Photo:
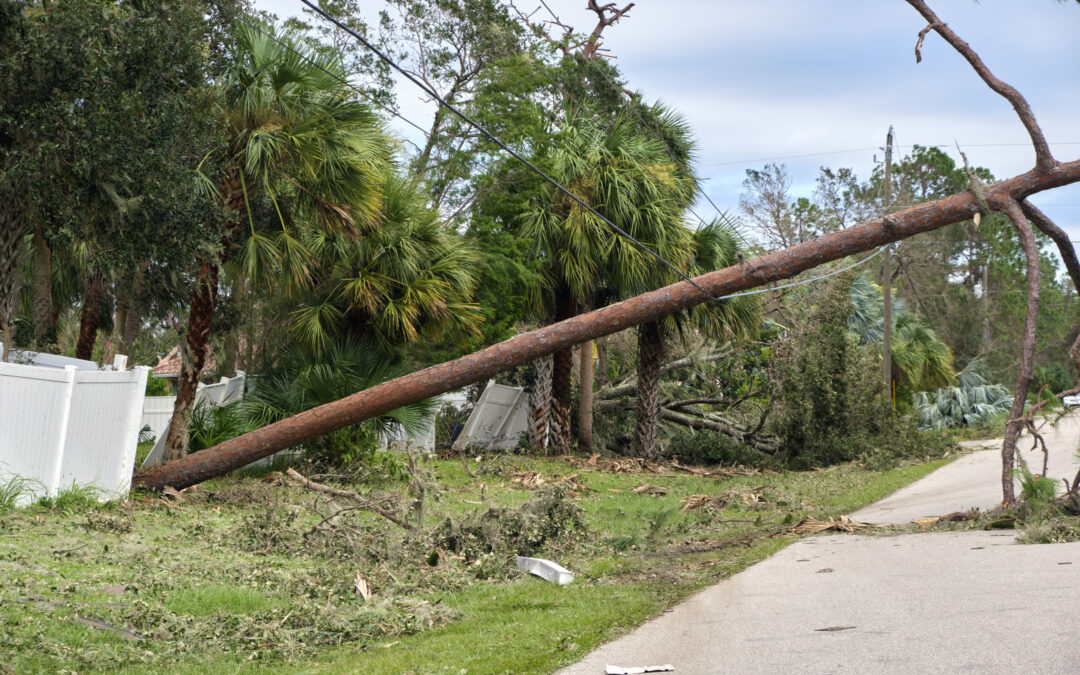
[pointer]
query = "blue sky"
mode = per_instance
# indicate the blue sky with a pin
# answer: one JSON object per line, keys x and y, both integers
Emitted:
{"x": 812, "y": 83}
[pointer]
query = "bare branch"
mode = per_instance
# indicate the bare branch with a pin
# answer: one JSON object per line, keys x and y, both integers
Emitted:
{"x": 361, "y": 502}
{"x": 1060, "y": 237}
{"x": 607, "y": 15}
{"x": 1043, "y": 159}
{"x": 1027, "y": 354}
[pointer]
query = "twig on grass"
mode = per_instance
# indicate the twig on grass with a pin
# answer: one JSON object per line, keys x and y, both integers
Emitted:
{"x": 361, "y": 502}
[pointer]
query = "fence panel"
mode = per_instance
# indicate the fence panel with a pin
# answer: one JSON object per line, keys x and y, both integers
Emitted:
{"x": 69, "y": 426}
{"x": 156, "y": 413}
{"x": 103, "y": 430}
{"x": 34, "y": 405}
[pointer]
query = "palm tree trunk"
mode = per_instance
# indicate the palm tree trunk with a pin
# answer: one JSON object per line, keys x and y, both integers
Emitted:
{"x": 129, "y": 329}
{"x": 540, "y": 401}
{"x": 562, "y": 365}
{"x": 194, "y": 358}
{"x": 90, "y": 316}
{"x": 601, "y": 363}
{"x": 12, "y": 229}
{"x": 585, "y": 397}
{"x": 650, "y": 360}
{"x": 42, "y": 314}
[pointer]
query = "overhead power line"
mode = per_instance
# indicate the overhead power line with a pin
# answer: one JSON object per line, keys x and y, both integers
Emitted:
{"x": 468, "y": 120}
{"x": 555, "y": 183}
{"x": 371, "y": 99}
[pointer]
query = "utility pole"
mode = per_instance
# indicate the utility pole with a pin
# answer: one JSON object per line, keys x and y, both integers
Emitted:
{"x": 886, "y": 277}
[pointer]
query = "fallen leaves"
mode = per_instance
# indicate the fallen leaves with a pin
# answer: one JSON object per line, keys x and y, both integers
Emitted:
{"x": 695, "y": 502}
{"x": 632, "y": 465}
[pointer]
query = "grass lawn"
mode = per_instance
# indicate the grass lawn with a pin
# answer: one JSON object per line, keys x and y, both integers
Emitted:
{"x": 243, "y": 575}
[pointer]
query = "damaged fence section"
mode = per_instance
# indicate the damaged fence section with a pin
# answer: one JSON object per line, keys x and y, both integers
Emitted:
{"x": 65, "y": 426}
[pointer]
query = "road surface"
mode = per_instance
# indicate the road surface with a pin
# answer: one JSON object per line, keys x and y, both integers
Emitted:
{"x": 944, "y": 602}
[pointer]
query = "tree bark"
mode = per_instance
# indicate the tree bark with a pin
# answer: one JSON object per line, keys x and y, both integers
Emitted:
{"x": 784, "y": 264}
{"x": 601, "y": 363}
{"x": 585, "y": 397}
{"x": 1027, "y": 353}
{"x": 42, "y": 313}
{"x": 540, "y": 401}
{"x": 133, "y": 316}
{"x": 562, "y": 364}
{"x": 90, "y": 316}
{"x": 650, "y": 360}
{"x": 12, "y": 230}
{"x": 194, "y": 358}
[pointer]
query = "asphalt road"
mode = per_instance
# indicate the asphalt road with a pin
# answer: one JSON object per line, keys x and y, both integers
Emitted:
{"x": 946, "y": 602}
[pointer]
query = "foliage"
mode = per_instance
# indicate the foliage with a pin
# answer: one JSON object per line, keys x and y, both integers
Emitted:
{"x": 212, "y": 424}
{"x": 828, "y": 394}
{"x": 709, "y": 448}
{"x": 407, "y": 280}
{"x": 305, "y": 379}
{"x": 525, "y": 530}
{"x": 158, "y": 386}
{"x": 972, "y": 401}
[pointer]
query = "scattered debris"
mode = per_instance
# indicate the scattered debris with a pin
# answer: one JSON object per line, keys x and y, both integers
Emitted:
{"x": 646, "y": 489}
{"x": 545, "y": 569}
{"x": 824, "y": 570}
{"x": 362, "y": 587}
{"x": 635, "y": 670}
{"x": 361, "y": 502}
{"x": 629, "y": 465}
{"x": 695, "y": 502}
{"x": 531, "y": 480}
{"x": 101, "y": 625}
{"x": 956, "y": 516}
{"x": 810, "y": 525}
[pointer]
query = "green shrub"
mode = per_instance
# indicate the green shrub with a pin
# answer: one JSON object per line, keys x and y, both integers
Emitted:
{"x": 711, "y": 448}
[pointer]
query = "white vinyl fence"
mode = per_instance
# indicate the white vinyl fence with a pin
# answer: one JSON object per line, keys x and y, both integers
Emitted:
{"x": 228, "y": 390}
{"x": 62, "y": 426}
{"x": 156, "y": 414}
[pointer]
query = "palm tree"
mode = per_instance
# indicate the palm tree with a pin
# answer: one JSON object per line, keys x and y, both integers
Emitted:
{"x": 972, "y": 400}
{"x": 920, "y": 359}
{"x": 296, "y": 140}
{"x": 714, "y": 246}
{"x": 413, "y": 277}
{"x": 628, "y": 177}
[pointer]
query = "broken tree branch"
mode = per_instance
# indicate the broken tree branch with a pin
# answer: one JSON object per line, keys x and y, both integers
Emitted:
{"x": 1043, "y": 158}
{"x": 1027, "y": 354}
{"x": 1060, "y": 237}
{"x": 361, "y": 502}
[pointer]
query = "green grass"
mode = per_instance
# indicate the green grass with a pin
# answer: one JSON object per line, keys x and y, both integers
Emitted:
{"x": 227, "y": 581}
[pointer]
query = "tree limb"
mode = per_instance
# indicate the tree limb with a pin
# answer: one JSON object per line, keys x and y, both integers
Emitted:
{"x": 361, "y": 502}
{"x": 1043, "y": 158}
{"x": 1027, "y": 354}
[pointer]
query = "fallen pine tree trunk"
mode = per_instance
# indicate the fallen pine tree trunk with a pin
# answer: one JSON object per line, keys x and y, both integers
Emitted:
{"x": 479, "y": 366}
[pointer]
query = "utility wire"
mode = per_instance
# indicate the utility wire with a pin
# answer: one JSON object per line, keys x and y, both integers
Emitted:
{"x": 803, "y": 282}
{"x": 504, "y": 146}
{"x": 555, "y": 183}
{"x": 371, "y": 99}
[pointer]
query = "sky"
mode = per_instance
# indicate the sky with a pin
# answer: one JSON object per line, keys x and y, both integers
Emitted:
{"x": 817, "y": 83}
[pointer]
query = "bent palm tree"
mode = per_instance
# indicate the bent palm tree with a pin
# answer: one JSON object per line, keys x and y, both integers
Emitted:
{"x": 295, "y": 138}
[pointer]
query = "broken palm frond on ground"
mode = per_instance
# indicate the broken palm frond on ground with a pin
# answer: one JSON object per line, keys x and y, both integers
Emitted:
{"x": 810, "y": 525}
{"x": 531, "y": 480}
{"x": 753, "y": 498}
{"x": 634, "y": 465}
